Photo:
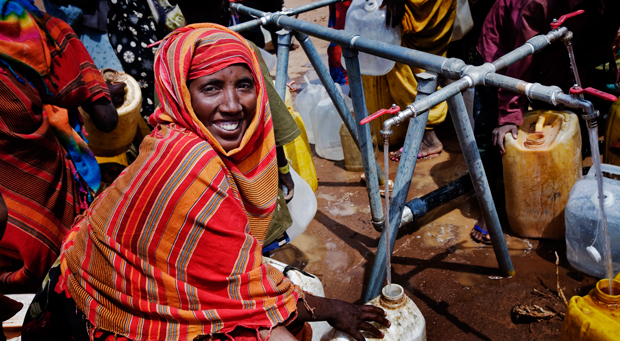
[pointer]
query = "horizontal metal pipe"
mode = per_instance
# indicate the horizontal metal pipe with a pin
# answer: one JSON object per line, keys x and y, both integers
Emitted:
{"x": 311, "y": 6}
{"x": 427, "y": 61}
{"x": 549, "y": 94}
{"x": 237, "y": 7}
{"x": 532, "y": 46}
{"x": 418, "y": 107}
{"x": 246, "y": 25}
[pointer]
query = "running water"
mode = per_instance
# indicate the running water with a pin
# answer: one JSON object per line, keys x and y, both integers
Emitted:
{"x": 596, "y": 163}
{"x": 386, "y": 224}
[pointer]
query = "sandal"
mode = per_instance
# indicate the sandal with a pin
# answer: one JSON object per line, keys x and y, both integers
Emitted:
{"x": 381, "y": 187}
{"x": 395, "y": 156}
{"x": 484, "y": 233}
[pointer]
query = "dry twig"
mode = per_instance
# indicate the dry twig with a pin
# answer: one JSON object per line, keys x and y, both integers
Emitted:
{"x": 557, "y": 277}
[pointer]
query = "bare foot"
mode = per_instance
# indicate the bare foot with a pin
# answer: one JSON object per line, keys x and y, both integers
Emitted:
{"x": 430, "y": 144}
{"x": 480, "y": 233}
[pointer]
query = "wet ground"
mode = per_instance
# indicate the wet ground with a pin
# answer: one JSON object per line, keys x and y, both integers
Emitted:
{"x": 454, "y": 281}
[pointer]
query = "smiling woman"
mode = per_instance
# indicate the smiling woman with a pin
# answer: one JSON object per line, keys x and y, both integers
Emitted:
{"x": 172, "y": 250}
{"x": 225, "y": 102}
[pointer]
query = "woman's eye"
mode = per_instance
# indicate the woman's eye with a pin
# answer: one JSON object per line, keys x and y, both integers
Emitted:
{"x": 209, "y": 88}
{"x": 246, "y": 85}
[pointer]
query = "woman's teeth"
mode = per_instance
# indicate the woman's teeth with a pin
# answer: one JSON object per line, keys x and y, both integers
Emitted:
{"x": 228, "y": 125}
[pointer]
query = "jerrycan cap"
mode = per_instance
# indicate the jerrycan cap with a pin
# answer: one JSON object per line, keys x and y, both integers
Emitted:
{"x": 608, "y": 199}
{"x": 371, "y": 5}
{"x": 392, "y": 296}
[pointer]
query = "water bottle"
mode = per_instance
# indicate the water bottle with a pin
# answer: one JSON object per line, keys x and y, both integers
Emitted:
{"x": 326, "y": 126}
{"x": 584, "y": 239}
{"x": 407, "y": 322}
{"x": 306, "y": 101}
{"x": 367, "y": 20}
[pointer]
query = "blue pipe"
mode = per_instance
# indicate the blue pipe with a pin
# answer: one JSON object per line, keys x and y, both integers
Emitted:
{"x": 365, "y": 138}
{"x": 427, "y": 84}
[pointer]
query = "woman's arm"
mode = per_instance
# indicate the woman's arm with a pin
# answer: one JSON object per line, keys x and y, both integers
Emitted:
{"x": 103, "y": 114}
{"x": 344, "y": 316}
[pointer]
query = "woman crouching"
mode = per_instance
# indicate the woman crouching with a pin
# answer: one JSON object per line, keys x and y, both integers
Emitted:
{"x": 172, "y": 250}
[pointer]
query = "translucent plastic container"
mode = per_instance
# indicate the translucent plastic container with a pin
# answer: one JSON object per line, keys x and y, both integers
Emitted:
{"x": 367, "y": 20}
{"x": 308, "y": 283}
{"x": 302, "y": 207}
{"x": 326, "y": 127}
{"x": 584, "y": 239}
{"x": 306, "y": 101}
{"x": 594, "y": 317}
{"x": 299, "y": 155}
{"x": 407, "y": 321}
{"x": 540, "y": 168}
{"x": 612, "y": 136}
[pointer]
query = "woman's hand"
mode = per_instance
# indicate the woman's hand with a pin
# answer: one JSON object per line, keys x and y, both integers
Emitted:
{"x": 102, "y": 113}
{"x": 287, "y": 181}
{"x": 350, "y": 318}
{"x": 344, "y": 316}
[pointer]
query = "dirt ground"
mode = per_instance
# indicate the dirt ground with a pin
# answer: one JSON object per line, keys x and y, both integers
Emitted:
{"x": 454, "y": 281}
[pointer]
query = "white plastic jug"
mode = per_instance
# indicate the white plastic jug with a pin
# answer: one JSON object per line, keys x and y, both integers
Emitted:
{"x": 308, "y": 283}
{"x": 306, "y": 101}
{"x": 302, "y": 207}
{"x": 367, "y": 20}
{"x": 326, "y": 127}
{"x": 407, "y": 322}
{"x": 584, "y": 239}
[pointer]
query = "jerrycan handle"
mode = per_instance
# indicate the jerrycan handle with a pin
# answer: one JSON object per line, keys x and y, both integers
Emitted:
{"x": 557, "y": 23}
{"x": 605, "y": 168}
{"x": 393, "y": 110}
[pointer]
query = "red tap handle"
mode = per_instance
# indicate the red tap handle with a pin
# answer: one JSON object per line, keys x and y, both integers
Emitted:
{"x": 393, "y": 110}
{"x": 594, "y": 92}
{"x": 559, "y": 22}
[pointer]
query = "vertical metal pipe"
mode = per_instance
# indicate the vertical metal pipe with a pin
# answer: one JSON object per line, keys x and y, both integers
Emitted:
{"x": 427, "y": 84}
{"x": 479, "y": 179}
{"x": 284, "y": 46}
{"x": 365, "y": 139}
{"x": 335, "y": 96}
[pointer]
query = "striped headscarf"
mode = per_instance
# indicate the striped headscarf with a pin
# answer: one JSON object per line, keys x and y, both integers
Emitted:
{"x": 172, "y": 250}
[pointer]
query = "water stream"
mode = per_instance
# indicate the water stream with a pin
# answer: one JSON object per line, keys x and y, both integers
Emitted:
{"x": 596, "y": 163}
{"x": 386, "y": 224}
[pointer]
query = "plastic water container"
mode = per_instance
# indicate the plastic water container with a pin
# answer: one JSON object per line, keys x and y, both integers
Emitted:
{"x": 302, "y": 207}
{"x": 308, "y": 283}
{"x": 584, "y": 236}
{"x": 612, "y": 136}
{"x": 367, "y": 20}
{"x": 595, "y": 316}
{"x": 540, "y": 168}
{"x": 326, "y": 127}
{"x": 299, "y": 155}
{"x": 407, "y": 321}
{"x": 306, "y": 101}
{"x": 118, "y": 140}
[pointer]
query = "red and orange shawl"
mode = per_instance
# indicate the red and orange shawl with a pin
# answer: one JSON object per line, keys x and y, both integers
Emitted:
{"x": 172, "y": 250}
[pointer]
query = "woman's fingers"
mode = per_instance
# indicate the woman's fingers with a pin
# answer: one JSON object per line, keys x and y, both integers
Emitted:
{"x": 371, "y": 329}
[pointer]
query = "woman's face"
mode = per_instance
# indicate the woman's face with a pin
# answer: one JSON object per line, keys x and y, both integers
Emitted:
{"x": 225, "y": 102}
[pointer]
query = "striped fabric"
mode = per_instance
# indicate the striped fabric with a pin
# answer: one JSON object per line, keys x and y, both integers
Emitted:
{"x": 172, "y": 250}
{"x": 39, "y": 182}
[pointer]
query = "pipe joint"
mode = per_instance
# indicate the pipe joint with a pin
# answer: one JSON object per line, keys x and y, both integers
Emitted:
{"x": 378, "y": 225}
{"x": 475, "y": 75}
{"x": 349, "y": 52}
{"x": 352, "y": 41}
{"x": 452, "y": 68}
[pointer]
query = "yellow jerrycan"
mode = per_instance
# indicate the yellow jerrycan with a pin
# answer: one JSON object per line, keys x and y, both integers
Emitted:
{"x": 612, "y": 135}
{"x": 594, "y": 317}
{"x": 298, "y": 152}
{"x": 540, "y": 168}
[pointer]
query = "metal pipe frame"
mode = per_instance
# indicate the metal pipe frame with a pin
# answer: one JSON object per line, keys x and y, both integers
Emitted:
{"x": 467, "y": 76}
{"x": 427, "y": 84}
{"x": 365, "y": 138}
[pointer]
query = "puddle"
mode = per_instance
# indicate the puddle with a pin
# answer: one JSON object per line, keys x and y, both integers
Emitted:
{"x": 341, "y": 206}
